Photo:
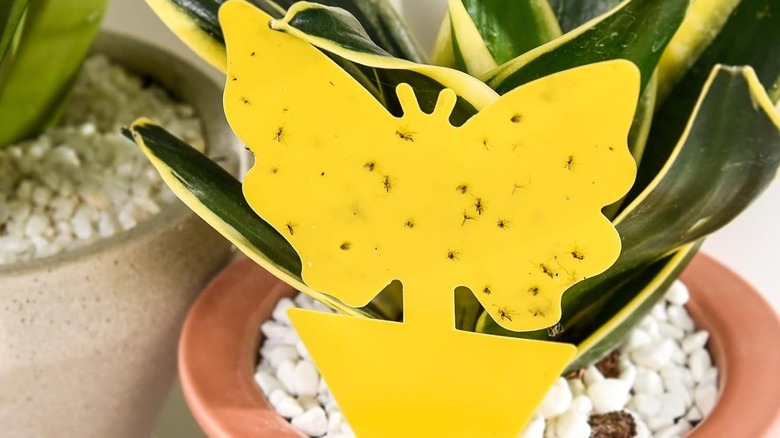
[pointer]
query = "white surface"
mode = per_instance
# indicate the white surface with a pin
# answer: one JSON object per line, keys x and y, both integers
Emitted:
{"x": 750, "y": 245}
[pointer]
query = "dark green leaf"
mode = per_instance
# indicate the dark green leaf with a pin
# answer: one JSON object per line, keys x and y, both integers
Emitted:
{"x": 512, "y": 27}
{"x": 639, "y": 31}
{"x": 340, "y": 35}
{"x": 751, "y": 36}
{"x": 621, "y": 307}
{"x": 728, "y": 156}
{"x": 574, "y": 13}
{"x": 217, "y": 197}
{"x": 597, "y": 324}
{"x": 382, "y": 23}
{"x": 220, "y": 193}
{"x": 718, "y": 168}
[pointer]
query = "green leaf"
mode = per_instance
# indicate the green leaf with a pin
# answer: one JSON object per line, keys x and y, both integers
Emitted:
{"x": 574, "y": 13}
{"x": 55, "y": 39}
{"x": 728, "y": 155}
{"x": 690, "y": 41}
{"x": 469, "y": 50}
{"x": 751, "y": 36}
{"x": 11, "y": 14}
{"x": 337, "y": 33}
{"x": 716, "y": 170}
{"x": 513, "y": 27}
{"x": 622, "y": 306}
{"x": 484, "y": 34}
{"x": 217, "y": 197}
{"x": 637, "y": 136}
{"x": 637, "y": 30}
{"x": 196, "y": 22}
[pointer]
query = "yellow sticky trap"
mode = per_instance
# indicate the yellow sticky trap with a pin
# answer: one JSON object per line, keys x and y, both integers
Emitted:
{"x": 507, "y": 204}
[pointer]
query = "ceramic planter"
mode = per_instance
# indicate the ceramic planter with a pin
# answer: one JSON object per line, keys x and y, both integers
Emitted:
{"x": 88, "y": 337}
{"x": 221, "y": 337}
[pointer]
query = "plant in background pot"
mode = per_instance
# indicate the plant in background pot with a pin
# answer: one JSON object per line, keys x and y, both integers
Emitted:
{"x": 695, "y": 171}
{"x": 97, "y": 264}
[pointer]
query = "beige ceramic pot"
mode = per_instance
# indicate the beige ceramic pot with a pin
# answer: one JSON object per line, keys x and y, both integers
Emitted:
{"x": 88, "y": 338}
{"x": 221, "y": 337}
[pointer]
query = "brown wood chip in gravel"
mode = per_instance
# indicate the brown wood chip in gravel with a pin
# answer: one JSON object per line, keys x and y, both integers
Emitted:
{"x": 612, "y": 425}
{"x": 610, "y": 365}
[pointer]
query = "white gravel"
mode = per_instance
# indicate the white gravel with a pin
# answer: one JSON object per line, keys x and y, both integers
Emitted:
{"x": 666, "y": 380}
{"x": 82, "y": 181}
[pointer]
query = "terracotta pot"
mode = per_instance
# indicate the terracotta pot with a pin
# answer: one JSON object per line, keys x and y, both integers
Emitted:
{"x": 219, "y": 344}
{"x": 88, "y": 337}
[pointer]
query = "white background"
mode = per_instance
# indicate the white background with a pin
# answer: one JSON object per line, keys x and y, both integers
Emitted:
{"x": 750, "y": 245}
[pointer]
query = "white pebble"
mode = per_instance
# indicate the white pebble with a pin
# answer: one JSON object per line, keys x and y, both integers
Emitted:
{"x": 13, "y": 245}
{"x": 280, "y": 311}
{"x": 557, "y": 400}
{"x": 636, "y": 339}
{"x": 276, "y": 396}
{"x": 592, "y": 375}
{"x": 695, "y": 341}
{"x": 627, "y": 373}
{"x": 608, "y": 395}
{"x": 331, "y": 407}
{"x": 710, "y": 377}
{"x": 572, "y": 425}
{"x": 346, "y": 430}
{"x": 650, "y": 326}
{"x": 659, "y": 311}
{"x": 646, "y": 405}
{"x": 705, "y": 397}
{"x": 267, "y": 382}
{"x": 335, "y": 422}
{"x": 577, "y": 387}
{"x": 641, "y": 429}
{"x": 679, "y": 317}
{"x": 582, "y": 404}
{"x": 307, "y": 379}
{"x": 658, "y": 423}
{"x": 674, "y": 431}
{"x": 534, "y": 428}
{"x": 302, "y": 350}
{"x": 693, "y": 415}
{"x": 286, "y": 375}
{"x": 699, "y": 362}
{"x": 654, "y": 355}
{"x": 308, "y": 402}
{"x": 288, "y": 407}
{"x": 672, "y": 405}
{"x": 678, "y": 293}
{"x": 278, "y": 353}
{"x": 274, "y": 330}
{"x": 313, "y": 422}
{"x": 670, "y": 331}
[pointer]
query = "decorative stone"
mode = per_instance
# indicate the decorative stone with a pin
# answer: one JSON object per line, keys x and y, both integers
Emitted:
{"x": 313, "y": 422}
{"x": 608, "y": 395}
{"x": 572, "y": 424}
{"x": 307, "y": 379}
{"x": 557, "y": 400}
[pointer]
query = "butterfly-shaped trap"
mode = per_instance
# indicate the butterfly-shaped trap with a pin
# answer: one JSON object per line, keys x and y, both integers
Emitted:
{"x": 508, "y": 205}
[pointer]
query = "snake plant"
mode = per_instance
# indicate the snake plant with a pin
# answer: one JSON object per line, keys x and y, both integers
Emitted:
{"x": 705, "y": 136}
{"x": 42, "y": 46}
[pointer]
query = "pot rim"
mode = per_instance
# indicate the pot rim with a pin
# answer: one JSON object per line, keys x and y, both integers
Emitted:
{"x": 221, "y": 337}
{"x": 165, "y": 68}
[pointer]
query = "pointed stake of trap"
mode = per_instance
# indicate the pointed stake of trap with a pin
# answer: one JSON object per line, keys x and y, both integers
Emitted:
{"x": 392, "y": 380}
